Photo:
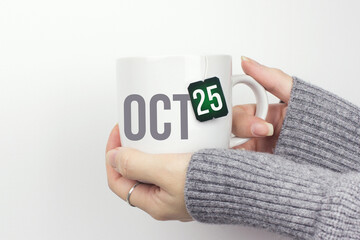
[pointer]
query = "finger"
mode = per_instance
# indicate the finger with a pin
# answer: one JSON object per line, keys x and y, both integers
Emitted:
{"x": 162, "y": 170}
{"x": 113, "y": 142}
{"x": 114, "y": 139}
{"x": 273, "y": 80}
{"x": 141, "y": 196}
{"x": 245, "y": 124}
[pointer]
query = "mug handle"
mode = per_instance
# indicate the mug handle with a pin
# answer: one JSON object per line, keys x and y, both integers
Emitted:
{"x": 261, "y": 102}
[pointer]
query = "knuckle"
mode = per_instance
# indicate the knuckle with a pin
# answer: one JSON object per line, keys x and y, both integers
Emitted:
{"x": 278, "y": 71}
{"x": 249, "y": 108}
{"x": 160, "y": 216}
{"x": 111, "y": 185}
{"x": 238, "y": 109}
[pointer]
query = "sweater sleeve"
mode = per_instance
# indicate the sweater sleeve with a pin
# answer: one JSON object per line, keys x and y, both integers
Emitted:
{"x": 320, "y": 128}
{"x": 304, "y": 201}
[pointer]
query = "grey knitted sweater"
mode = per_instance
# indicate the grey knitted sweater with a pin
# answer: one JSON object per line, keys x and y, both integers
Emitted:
{"x": 308, "y": 189}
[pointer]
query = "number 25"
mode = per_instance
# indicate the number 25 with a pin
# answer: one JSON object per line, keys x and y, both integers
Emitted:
{"x": 211, "y": 97}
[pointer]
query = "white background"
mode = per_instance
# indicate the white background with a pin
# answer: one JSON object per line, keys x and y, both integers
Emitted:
{"x": 58, "y": 96}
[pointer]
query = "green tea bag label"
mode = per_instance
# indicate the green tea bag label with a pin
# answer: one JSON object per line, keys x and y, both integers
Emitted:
{"x": 207, "y": 99}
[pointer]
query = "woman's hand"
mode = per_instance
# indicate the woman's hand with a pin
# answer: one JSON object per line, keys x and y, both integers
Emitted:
{"x": 245, "y": 124}
{"x": 163, "y": 196}
{"x": 164, "y": 174}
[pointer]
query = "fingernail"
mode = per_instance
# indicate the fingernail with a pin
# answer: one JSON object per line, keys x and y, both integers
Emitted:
{"x": 246, "y": 59}
{"x": 243, "y": 58}
{"x": 111, "y": 156}
{"x": 262, "y": 129}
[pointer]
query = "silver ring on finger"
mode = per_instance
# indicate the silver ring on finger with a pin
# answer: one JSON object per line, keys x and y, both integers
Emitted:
{"x": 130, "y": 191}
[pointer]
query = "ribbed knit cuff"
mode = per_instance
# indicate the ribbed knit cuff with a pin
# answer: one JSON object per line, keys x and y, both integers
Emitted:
{"x": 320, "y": 128}
{"x": 339, "y": 216}
{"x": 268, "y": 191}
{"x": 260, "y": 190}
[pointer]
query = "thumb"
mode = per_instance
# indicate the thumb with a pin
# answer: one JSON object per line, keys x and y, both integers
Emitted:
{"x": 273, "y": 80}
{"x": 135, "y": 165}
{"x": 147, "y": 168}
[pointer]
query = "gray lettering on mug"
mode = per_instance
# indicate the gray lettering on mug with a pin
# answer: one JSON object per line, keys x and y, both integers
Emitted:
{"x": 183, "y": 99}
{"x": 153, "y": 117}
{"x": 127, "y": 117}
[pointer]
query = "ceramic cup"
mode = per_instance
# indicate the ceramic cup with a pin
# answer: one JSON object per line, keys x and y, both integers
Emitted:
{"x": 175, "y": 104}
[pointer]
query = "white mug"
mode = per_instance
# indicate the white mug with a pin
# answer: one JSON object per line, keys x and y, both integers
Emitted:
{"x": 156, "y": 114}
